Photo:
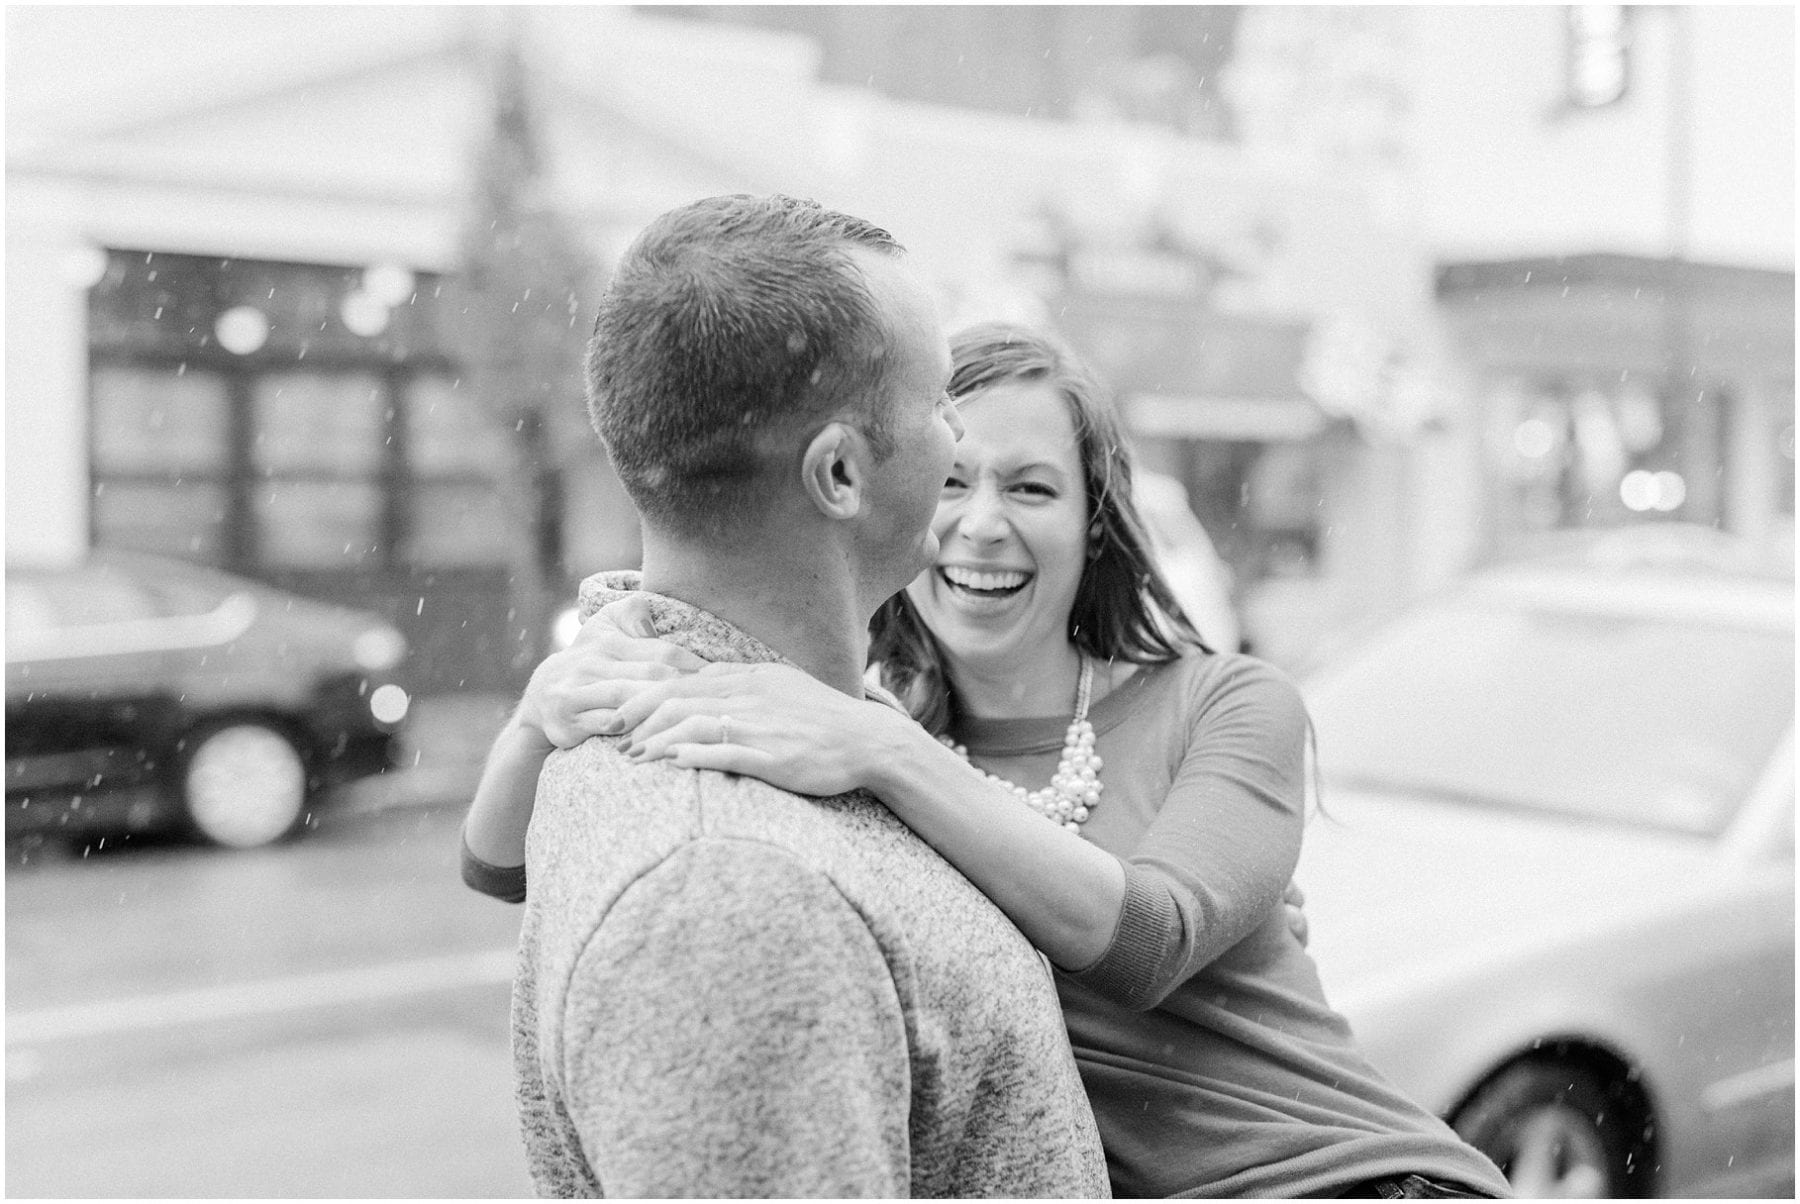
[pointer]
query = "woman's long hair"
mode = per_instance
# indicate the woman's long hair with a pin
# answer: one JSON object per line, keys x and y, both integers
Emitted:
{"x": 1124, "y": 609}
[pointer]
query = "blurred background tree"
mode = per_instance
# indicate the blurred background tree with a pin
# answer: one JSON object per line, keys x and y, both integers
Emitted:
{"x": 518, "y": 304}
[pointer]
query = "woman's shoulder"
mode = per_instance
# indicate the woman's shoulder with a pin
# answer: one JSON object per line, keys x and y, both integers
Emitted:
{"x": 1199, "y": 671}
{"x": 1211, "y": 683}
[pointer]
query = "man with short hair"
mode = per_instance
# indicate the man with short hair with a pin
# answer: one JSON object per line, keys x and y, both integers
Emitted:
{"x": 725, "y": 989}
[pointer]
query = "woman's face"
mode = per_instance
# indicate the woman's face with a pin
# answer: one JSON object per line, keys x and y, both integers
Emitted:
{"x": 1011, "y": 526}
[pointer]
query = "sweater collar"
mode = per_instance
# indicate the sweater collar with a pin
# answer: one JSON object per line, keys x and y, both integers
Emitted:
{"x": 701, "y": 632}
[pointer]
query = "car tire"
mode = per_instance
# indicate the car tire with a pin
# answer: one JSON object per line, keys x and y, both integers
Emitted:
{"x": 241, "y": 783}
{"x": 1558, "y": 1130}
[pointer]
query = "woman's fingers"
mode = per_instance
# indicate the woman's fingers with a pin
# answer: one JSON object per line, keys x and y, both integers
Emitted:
{"x": 692, "y": 692}
{"x": 692, "y": 727}
{"x": 727, "y": 758}
{"x": 598, "y": 643}
{"x": 630, "y": 614}
{"x": 623, "y": 631}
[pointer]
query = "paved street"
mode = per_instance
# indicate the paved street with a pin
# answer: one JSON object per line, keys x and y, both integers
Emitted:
{"x": 326, "y": 1018}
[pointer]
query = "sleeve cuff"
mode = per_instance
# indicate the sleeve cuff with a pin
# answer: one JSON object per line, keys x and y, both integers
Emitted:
{"x": 503, "y": 882}
{"x": 1128, "y": 972}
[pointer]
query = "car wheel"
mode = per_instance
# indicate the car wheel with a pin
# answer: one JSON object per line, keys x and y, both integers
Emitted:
{"x": 243, "y": 784}
{"x": 1557, "y": 1132}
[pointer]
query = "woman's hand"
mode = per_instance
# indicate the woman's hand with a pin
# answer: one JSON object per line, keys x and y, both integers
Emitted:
{"x": 574, "y": 693}
{"x": 772, "y": 722}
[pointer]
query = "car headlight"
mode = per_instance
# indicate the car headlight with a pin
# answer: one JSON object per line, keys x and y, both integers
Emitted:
{"x": 389, "y": 703}
{"x": 378, "y": 649}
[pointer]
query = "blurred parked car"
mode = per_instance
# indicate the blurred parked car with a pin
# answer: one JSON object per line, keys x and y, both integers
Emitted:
{"x": 146, "y": 694}
{"x": 1185, "y": 553}
{"x": 1199, "y": 577}
{"x": 1553, "y": 884}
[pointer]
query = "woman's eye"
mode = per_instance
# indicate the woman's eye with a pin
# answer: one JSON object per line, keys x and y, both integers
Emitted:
{"x": 1035, "y": 489}
{"x": 952, "y": 483}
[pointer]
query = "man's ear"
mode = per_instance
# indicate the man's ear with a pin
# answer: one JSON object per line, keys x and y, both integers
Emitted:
{"x": 834, "y": 470}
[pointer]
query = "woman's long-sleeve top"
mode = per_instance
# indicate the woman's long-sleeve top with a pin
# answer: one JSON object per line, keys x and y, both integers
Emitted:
{"x": 1214, "y": 1065}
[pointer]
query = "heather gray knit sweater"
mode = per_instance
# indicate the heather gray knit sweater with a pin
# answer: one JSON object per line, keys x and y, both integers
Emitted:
{"x": 728, "y": 990}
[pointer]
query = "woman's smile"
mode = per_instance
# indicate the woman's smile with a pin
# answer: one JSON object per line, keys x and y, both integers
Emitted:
{"x": 983, "y": 588}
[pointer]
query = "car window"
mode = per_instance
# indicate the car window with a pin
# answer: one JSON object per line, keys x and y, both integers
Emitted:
{"x": 1662, "y": 722}
{"x": 193, "y": 594}
{"x": 92, "y": 596}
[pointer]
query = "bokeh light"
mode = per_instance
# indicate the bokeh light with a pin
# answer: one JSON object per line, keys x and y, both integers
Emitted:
{"x": 242, "y": 329}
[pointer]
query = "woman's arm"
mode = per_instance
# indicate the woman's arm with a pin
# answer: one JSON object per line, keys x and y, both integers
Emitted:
{"x": 796, "y": 733}
{"x": 493, "y": 832}
{"x": 1223, "y": 844}
{"x": 570, "y": 697}
{"x": 1213, "y": 864}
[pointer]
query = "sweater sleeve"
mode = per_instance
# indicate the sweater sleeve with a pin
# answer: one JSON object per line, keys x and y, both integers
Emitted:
{"x": 1224, "y": 843}
{"x": 732, "y": 1030}
{"x": 503, "y": 882}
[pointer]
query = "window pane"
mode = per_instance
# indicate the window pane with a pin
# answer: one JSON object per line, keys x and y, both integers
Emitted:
{"x": 159, "y": 420}
{"x": 186, "y": 520}
{"x": 317, "y": 524}
{"x": 458, "y": 523}
{"x": 306, "y": 420}
{"x": 449, "y": 432}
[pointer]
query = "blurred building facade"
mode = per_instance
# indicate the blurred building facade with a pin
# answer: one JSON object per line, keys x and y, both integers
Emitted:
{"x": 1610, "y": 191}
{"x": 229, "y": 338}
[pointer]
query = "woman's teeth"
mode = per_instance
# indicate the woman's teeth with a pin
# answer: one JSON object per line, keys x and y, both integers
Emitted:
{"x": 993, "y": 583}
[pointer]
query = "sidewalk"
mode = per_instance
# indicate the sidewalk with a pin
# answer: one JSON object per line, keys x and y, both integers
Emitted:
{"x": 442, "y": 748}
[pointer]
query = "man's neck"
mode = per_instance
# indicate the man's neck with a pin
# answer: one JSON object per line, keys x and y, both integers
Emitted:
{"x": 793, "y": 599}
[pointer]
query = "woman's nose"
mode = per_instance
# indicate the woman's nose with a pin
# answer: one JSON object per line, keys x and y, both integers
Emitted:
{"x": 982, "y": 518}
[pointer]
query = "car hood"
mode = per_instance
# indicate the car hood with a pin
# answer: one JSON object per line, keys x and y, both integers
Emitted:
{"x": 1400, "y": 887}
{"x": 325, "y": 622}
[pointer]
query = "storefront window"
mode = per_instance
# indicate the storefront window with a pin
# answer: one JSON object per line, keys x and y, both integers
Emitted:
{"x": 459, "y": 453}
{"x": 160, "y": 421}
{"x": 318, "y": 524}
{"x": 309, "y": 447}
{"x": 183, "y": 518}
{"x": 311, "y": 422}
{"x": 1575, "y": 453}
{"x": 457, "y": 522}
{"x": 448, "y": 432}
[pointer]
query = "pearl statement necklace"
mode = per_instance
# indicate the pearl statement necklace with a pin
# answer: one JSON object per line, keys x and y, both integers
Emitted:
{"x": 1074, "y": 792}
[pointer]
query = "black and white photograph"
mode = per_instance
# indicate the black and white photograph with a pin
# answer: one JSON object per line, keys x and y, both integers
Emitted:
{"x": 887, "y": 601}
